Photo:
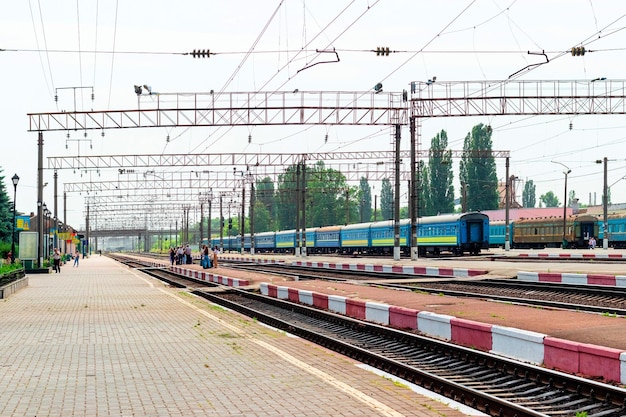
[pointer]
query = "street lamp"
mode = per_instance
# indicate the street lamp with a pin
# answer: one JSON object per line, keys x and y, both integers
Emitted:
{"x": 564, "y": 200}
{"x": 44, "y": 226}
{"x": 605, "y": 198}
{"x": 15, "y": 180}
{"x": 47, "y": 218}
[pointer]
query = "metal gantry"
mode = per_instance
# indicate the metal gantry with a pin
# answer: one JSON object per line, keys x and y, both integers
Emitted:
{"x": 425, "y": 100}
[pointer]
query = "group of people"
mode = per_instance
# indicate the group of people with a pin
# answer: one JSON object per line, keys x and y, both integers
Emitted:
{"x": 182, "y": 255}
{"x": 56, "y": 260}
{"x": 208, "y": 257}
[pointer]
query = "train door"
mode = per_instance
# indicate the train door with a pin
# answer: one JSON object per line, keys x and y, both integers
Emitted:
{"x": 475, "y": 236}
{"x": 585, "y": 228}
{"x": 475, "y": 231}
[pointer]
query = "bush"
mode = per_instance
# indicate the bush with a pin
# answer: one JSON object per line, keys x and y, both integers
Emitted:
{"x": 7, "y": 267}
{"x": 5, "y": 248}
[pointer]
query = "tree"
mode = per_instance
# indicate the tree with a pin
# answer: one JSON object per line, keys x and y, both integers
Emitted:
{"x": 326, "y": 188}
{"x": 478, "y": 173}
{"x": 325, "y": 197}
{"x": 264, "y": 192}
{"x": 440, "y": 186}
{"x": 571, "y": 198}
{"x": 262, "y": 218}
{"x": 424, "y": 207}
{"x": 549, "y": 199}
{"x": 386, "y": 199}
{"x": 528, "y": 195}
{"x": 6, "y": 212}
{"x": 365, "y": 200}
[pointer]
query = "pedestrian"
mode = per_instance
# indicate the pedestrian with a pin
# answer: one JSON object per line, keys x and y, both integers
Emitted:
{"x": 188, "y": 258}
{"x": 179, "y": 255}
{"x": 172, "y": 255}
{"x": 76, "y": 259}
{"x": 56, "y": 261}
{"x": 203, "y": 259}
{"x": 206, "y": 256}
{"x": 215, "y": 257}
{"x": 592, "y": 243}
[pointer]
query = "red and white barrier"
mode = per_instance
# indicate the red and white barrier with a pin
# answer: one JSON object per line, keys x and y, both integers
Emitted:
{"x": 538, "y": 348}
{"x": 574, "y": 255}
{"x": 570, "y": 278}
{"x": 210, "y": 277}
{"x": 387, "y": 269}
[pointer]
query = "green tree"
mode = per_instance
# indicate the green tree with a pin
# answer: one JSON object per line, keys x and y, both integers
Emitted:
{"x": 365, "y": 200}
{"x": 264, "y": 192}
{"x": 262, "y": 218}
{"x": 6, "y": 212}
{"x": 325, "y": 196}
{"x": 571, "y": 198}
{"x": 440, "y": 186}
{"x": 287, "y": 195}
{"x": 424, "y": 206}
{"x": 386, "y": 200}
{"x": 529, "y": 198}
{"x": 478, "y": 170}
{"x": 549, "y": 199}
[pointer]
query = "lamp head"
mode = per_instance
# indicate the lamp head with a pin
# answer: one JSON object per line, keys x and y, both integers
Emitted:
{"x": 15, "y": 180}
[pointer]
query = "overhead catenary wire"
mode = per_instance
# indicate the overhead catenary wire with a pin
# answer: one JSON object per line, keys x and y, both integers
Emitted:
{"x": 50, "y": 85}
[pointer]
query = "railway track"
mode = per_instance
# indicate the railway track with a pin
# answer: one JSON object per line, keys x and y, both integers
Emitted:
{"x": 491, "y": 384}
{"x": 593, "y": 299}
{"x": 494, "y": 385}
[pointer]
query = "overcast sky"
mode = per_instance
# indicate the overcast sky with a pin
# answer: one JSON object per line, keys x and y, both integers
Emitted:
{"x": 66, "y": 48}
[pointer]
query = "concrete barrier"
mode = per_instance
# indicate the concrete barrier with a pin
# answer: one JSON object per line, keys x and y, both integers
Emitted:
{"x": 471, "y": 333}
{"x": 433, "y": 324}
{"x": 337, "y": 304}
{"x": 377, "y": 312}
{"x": 519, "y": 344}
{"x": 402, "y": 317}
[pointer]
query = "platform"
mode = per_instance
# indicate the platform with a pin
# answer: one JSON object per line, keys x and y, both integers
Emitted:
{"x": 105, "y": 340}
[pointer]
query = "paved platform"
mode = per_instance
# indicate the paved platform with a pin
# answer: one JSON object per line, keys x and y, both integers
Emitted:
{"x": 104, "y": 340}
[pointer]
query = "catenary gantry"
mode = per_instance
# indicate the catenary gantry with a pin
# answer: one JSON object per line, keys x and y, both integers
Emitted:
{"x": 424, "y": 100}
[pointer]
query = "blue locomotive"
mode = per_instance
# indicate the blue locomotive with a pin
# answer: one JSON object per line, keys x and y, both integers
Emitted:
{"x": 455, "y": 233}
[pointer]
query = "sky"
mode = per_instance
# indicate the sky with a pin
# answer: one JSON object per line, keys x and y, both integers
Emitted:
{"x": 69, "y": 49}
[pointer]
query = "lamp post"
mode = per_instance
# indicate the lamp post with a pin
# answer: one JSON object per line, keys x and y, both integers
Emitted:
{"x": 47, "y": 218}
{"x": 564, "y": 200}
{"x": 44, "y": 226}
{"x": 605, "y": 199}
{"x": 15, "y": 180}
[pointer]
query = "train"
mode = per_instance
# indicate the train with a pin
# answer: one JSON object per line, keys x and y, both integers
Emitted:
{"x": 458, "y": 234}
{"x": 547, "y": 232}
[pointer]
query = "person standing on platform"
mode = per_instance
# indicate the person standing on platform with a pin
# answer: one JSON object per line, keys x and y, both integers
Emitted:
{"x": 215, "y": 258}
{"x": 56, "y": 259}
{"x": 188, "y": 258}
{"x": 76, "y": 258}
{"x": 172, "y": 255}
